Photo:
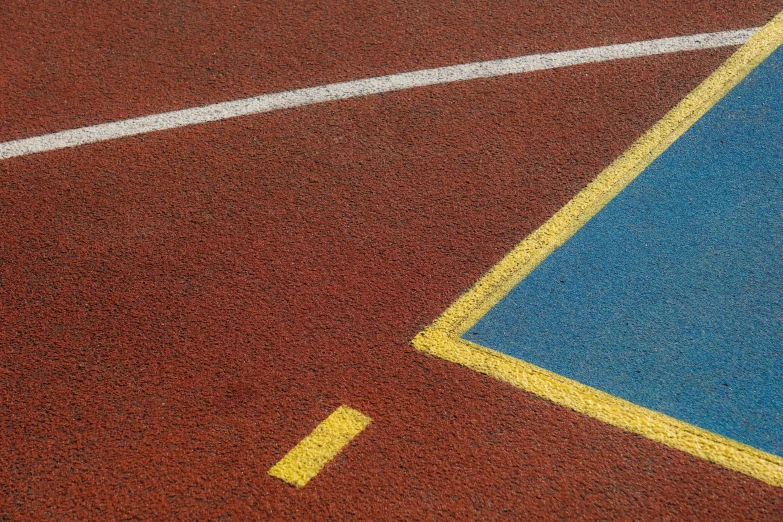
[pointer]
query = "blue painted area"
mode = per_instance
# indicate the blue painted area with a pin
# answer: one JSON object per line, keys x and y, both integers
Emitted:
{"x": 672, "y": 296}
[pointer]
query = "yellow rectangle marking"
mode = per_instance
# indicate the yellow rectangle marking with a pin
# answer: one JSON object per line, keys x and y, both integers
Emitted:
{"x": 300, "y": 465}
{"x": 444, "y": 337}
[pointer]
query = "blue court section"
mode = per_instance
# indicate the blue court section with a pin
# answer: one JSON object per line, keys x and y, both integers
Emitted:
{"x": 672, "y": 296}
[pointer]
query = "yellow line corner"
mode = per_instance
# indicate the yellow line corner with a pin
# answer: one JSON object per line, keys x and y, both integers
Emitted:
{"x": 307, "y": 459}
{"x": 443, "y": 338}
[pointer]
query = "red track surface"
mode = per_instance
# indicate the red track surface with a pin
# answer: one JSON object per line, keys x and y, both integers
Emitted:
{"x": 180, "y": 309}
{"x": 69, "y": 64}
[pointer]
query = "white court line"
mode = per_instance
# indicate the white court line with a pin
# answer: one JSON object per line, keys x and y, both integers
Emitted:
{"x": 365, "y": 87}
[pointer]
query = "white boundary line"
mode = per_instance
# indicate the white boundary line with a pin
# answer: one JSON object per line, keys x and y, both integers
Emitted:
{"x": 365, "y": 87}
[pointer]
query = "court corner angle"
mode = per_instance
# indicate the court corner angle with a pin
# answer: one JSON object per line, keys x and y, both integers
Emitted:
{"x": 444, "y": 338}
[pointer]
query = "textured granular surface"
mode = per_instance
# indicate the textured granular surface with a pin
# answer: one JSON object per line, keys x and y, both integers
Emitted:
{"x": 180, "y": 309}
{"x": 69, "y": 64}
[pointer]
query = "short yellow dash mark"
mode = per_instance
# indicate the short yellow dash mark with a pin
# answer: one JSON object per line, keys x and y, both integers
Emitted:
{"x": 306, "y": 460}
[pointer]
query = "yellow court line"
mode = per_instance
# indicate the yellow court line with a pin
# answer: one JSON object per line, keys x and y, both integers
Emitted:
{"x": 444, "y": 337}
{"x": 300, "y": 465}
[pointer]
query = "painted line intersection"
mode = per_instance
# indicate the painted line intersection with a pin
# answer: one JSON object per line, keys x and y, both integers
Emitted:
{"x": 501, "y": 326}
{"x": 288, "y": 259}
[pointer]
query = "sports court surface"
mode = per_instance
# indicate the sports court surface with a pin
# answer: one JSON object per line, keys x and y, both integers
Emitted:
{"x": 266, "y": 261}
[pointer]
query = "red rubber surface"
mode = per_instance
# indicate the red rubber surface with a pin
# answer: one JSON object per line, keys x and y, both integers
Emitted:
{"x": 70, "y": 64}
{"x": 180, "y": 309}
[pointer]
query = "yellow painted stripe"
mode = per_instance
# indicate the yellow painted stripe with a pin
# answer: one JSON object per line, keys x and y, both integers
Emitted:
{"x": 607, "y": 408}
{"x": 300, "y": 465}
{"x": 443, "y": 337}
